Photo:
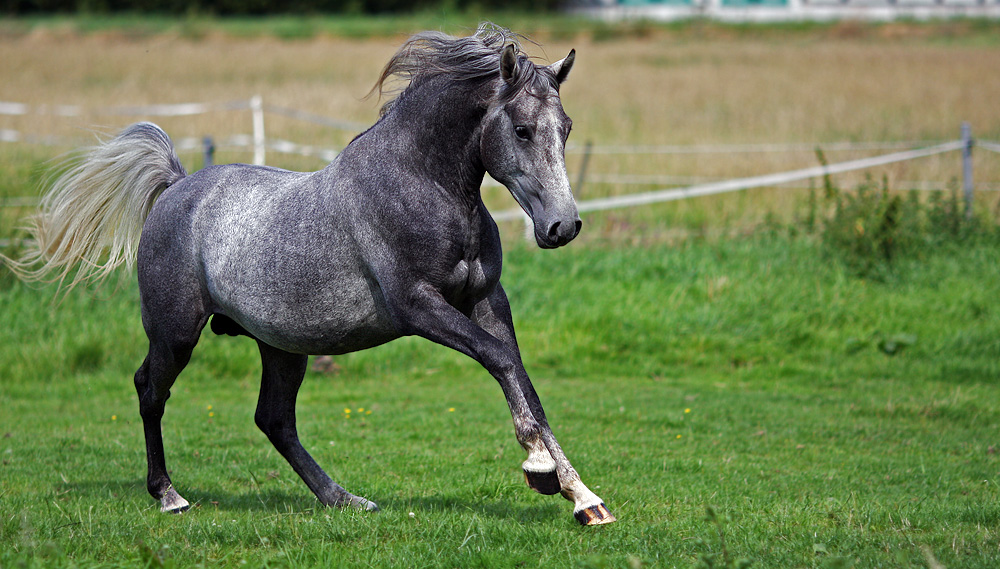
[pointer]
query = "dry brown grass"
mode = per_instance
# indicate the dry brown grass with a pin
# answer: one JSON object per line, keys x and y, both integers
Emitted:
{"x": 662, "y": 88}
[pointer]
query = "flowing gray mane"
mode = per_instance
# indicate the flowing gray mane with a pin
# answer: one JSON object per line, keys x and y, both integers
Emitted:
{"x": 472, "y": 58}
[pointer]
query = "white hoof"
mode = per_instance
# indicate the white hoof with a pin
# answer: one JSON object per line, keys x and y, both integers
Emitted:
{"x": 172, "y": 503}
{"x": 366, "y": 505}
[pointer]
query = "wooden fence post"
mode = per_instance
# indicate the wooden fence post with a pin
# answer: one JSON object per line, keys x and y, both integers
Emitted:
{"x": 257, "y": 108}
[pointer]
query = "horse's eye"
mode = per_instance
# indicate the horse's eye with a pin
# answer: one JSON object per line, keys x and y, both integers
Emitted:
{"x": 522, "y": 132}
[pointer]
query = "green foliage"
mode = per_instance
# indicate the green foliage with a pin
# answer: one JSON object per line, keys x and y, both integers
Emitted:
{"x": 869, "y": 227}
{"x": 872, "y": 227}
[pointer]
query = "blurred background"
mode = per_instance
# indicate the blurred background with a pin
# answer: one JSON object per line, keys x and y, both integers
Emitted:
{"x": 661, "y": 100}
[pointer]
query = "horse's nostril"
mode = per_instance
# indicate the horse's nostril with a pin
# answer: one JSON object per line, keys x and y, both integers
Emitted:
{"x": 561, "y": 234}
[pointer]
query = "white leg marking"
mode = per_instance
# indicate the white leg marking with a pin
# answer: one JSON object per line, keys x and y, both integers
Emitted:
{"x": 172, "y": 502}
{"x": 582, "y": 497}
{"x": 539, "y": 459}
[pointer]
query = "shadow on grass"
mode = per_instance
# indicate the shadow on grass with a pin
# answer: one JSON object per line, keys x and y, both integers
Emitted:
{"x": 211, "y": 498}
{"x": 484, "y": 506}
{"x": 304, "y": 502}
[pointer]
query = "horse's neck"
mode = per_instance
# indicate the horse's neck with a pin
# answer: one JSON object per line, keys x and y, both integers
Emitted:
{"x": 441, "y": 129}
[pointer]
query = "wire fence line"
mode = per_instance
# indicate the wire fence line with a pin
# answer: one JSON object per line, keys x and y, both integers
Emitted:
{"x": 738, "y": 184}
{"x": 626, "y": 149}
{"x": 172, "y": 110}
{"x": 259, "y": 143}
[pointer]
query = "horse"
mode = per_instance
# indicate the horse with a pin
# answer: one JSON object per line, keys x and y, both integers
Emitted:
{"x": 390, "y": 239}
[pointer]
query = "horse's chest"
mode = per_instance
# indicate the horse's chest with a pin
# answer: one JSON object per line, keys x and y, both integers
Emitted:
{"x": 470, "y": 280}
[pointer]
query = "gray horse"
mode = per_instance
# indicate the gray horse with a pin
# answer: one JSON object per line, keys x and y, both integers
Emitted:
{"x": 391, "y": 239}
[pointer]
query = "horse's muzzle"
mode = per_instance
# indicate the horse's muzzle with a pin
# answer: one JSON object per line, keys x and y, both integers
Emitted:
{"x": 558, "y": 233}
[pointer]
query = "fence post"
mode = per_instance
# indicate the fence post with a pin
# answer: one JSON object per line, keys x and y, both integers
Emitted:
{"x": 583, "y": 168}
{"x": 209, "y": 146}
{"x": 257, "y": 108}
{"x": 967, "y": 143}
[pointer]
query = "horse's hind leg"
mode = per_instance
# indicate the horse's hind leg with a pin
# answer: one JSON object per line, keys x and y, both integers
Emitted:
{"x": 282, "y": 376}
{"x": 152, "y": 383}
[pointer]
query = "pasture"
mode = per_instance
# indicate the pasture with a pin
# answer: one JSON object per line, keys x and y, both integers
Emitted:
{"x": 825, "y": 420}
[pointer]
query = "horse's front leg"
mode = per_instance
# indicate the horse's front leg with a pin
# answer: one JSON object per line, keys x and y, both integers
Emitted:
{"x": 488, "y": 337}
{"x": 493, "y": 315}
{"x": 547, "y": 470}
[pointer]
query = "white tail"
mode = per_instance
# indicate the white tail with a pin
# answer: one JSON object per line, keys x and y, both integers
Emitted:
{"x": 92, "y": 216}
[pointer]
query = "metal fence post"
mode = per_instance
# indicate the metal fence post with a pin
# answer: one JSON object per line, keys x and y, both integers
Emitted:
{"x": 967, "y": 143}
{"x": 209, "y": 146}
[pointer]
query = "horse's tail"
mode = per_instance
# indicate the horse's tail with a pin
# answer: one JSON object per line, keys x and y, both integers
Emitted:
{"x": 92, "y": 216}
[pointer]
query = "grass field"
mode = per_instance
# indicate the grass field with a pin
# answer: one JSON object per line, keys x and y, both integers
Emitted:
{"x": 827, "y": 418}
{"x": 750, "y": 375}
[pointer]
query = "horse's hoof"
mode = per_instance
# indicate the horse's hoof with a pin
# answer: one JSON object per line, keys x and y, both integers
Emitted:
{"x": 360, "y": 503}
{"x": 542, "y": 482}
{"x": 594, "y": 515}
{"x": 172, "y": 503}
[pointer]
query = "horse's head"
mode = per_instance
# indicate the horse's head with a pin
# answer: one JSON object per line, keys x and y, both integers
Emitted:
{"x": 524, "y": 142}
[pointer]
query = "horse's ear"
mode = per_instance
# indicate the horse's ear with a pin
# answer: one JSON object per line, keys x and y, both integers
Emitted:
{"x": 508, "y": 63}
{"x": 562, "y": 67}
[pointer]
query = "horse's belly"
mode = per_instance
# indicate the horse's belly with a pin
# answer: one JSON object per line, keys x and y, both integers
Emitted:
{"x": 338, "y": 338}
{"x": 316, "y": 327}
{"x": 311, "y": 313}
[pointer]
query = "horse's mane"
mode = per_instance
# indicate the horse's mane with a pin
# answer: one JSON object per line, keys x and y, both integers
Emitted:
{"x": 471, "y": 58}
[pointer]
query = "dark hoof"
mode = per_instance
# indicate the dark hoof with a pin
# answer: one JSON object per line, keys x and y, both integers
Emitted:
{"x": 594, "y": 515}
{"x": 543, "y": 482}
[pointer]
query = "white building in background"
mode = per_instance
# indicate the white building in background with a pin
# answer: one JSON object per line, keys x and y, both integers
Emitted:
{"x": 787, "y": 10}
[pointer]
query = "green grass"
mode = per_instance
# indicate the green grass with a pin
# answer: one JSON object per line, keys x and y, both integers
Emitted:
{"x": 745, "y": 374}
